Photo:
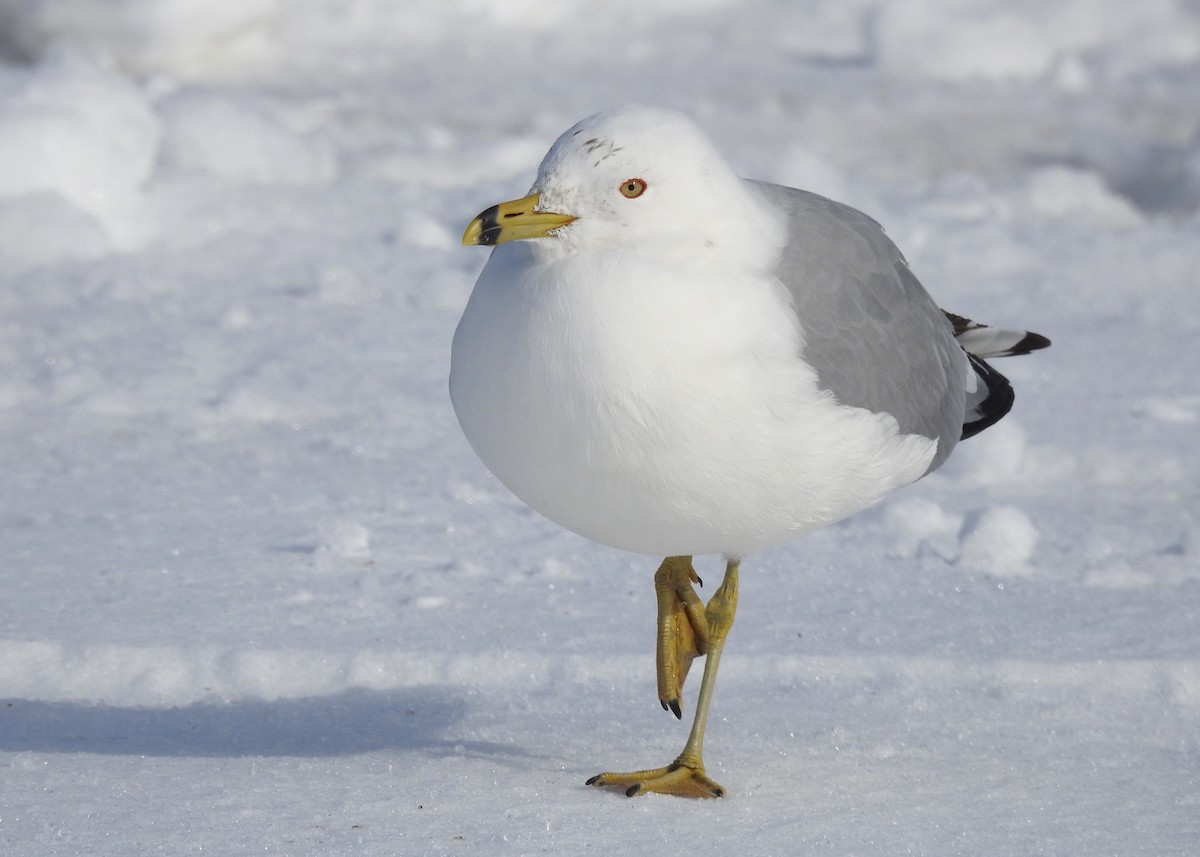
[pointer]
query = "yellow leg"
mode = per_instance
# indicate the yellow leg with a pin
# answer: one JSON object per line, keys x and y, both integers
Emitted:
{"x": 685, "y": 776}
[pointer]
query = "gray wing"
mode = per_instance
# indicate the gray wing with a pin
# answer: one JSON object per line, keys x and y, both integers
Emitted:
{"x": 874, "y": 335}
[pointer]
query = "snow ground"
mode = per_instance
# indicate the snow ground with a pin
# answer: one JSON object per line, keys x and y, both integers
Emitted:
{"x": 259, "y": 597}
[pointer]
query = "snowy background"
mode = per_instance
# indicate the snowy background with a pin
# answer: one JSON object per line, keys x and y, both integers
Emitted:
{"x": 260, "y": 597}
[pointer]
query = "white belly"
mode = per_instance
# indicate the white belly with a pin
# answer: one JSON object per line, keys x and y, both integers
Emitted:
{"x": 660, "y": 413}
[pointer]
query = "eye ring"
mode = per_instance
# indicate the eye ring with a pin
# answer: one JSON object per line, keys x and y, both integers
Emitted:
{"x": 633, "y": 188}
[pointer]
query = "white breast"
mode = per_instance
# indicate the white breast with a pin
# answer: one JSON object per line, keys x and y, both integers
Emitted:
{"x": 660, "y": 409}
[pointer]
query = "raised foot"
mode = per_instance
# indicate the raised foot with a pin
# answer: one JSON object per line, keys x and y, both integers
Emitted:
{"x": 675, "y": 779}
{"x": 683, "y": 632}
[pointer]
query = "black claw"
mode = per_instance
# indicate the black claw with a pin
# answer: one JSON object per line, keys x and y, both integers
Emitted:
{"x": 633, "y": 790}
{"x": 718, "y": 792}
{"x": 664, "y": 705}
{"x": 700, "y": 581}
{"x": 592, "y": 780}
{"x": 675, "y": 709}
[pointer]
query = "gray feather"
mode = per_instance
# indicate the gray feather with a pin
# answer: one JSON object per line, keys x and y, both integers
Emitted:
{"x": 873, "y": 334}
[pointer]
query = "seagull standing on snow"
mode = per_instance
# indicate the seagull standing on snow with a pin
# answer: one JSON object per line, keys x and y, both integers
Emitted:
{"x": 669, "y": 359}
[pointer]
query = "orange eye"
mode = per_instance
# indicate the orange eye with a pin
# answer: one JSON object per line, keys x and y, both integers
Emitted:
{"x": 633, "y": 188}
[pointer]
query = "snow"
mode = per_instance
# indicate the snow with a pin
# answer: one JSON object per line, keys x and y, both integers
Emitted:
{"x": 259, "y": 596}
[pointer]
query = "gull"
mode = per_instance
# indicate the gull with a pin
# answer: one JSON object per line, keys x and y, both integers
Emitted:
{"x": 672, "y": 360}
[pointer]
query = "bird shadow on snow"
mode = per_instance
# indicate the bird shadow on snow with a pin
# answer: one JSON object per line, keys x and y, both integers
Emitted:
{"x": 354, "y": 721}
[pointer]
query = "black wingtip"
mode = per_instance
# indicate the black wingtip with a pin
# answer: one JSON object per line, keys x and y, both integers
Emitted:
{"x": 999, "y": 399}
{"x": 1030, "y": 342}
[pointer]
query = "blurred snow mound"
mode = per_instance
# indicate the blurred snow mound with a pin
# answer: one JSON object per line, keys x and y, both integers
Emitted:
{"x": 345, "y": 538}
{"x": 224, "y": 38}
{"x": 1178, "y": 410}
{"x": 233, "y": 140}
{"x": 1022, "y": 40}
{"x": 1030, "y": 39}
{"x": 72, "y": 128}
{"x": 1066, "y": 192}
{"x": 1000, "y": 541}
{"x": 917, "y": 525}
{"x": 145, "y": 35}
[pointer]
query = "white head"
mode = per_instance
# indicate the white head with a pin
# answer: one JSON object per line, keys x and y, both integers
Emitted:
{"x": 635, "y": 178}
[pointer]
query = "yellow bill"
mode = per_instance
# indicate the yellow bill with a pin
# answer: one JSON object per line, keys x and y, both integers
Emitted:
{"x": 513, "y": 221}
